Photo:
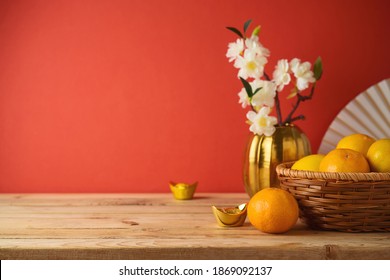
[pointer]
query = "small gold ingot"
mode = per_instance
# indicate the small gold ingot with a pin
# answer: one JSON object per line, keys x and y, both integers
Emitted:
{"x": 230, "y": 216}
{"x": 183, "y": 191}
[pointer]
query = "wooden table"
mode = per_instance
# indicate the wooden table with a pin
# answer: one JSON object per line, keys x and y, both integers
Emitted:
{"x": 155, "y": 226}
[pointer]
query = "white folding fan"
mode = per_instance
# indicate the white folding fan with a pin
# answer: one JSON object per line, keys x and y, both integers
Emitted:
{"x": 368, "y": 113}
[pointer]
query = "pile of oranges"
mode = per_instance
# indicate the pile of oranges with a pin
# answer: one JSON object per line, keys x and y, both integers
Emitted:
{"x": 275, "y": 210}
{"x": 353, "y": 153}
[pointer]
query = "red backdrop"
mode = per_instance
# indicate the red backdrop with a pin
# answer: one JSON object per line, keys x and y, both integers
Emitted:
{"x": 123, "y": 96}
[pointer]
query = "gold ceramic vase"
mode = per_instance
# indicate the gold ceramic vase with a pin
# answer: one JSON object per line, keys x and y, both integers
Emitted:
{"x": 264, "y": 153}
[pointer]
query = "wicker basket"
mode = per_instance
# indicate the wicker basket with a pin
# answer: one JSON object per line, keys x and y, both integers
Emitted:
{"x": 351, "y": 202}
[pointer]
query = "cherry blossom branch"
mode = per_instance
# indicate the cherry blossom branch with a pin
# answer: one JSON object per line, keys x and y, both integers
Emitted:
{"x": 253, "y": 108}
{"x": 300, "y": 117}
{"x": 300, "y": 98}
{"x": 277, "y": 102}
{"x": 266, "y": 76}
{"x": 278, "y": 111}
{"x": 249, "y": 56}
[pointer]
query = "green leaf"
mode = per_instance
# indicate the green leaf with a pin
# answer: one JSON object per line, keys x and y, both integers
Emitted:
{"x": 246, "y": 25}
{"x": 318, "y": 68}
{"x": 293, "y": 93}
{"x": 257, "y": 90}
{"x": 247, "y": 87}
{"x": 256, "y": 31}
{"x": 235, "y": 30}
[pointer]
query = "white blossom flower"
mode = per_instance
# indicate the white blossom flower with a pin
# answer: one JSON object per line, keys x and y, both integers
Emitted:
{"x": 265, "y": 96}
{"x": 244, "y": 98}
{"x": 254, "y": 44}
{"x": 281, "y": 74}
{"x": 251, "y": 65}
{"x": 302, "y": 73}
{"x": 235, "y": 49}
{"x": 261, "y": 122}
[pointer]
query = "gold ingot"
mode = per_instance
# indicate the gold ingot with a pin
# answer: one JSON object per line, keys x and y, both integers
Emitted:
{"x": 264, "y": 153}
{"x": 230, "y": 216}
{"x": 183, "y": 191}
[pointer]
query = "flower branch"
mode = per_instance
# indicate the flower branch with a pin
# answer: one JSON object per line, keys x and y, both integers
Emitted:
{"x": 300, "y": 98}
{"x": 278, "y": 111}
{"x": 261, "y": 92}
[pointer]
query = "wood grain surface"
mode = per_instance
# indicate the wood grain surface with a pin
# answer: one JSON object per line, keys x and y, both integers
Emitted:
{"x": 156, "y": 226}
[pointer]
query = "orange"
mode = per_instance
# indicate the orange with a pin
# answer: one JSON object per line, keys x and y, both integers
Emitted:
{"x": 357, "y": 142}
{"x": 344, "y": 160}
{"x": 309, "y": 163}
{"x": 379, "y": 155}
{"x": 273, "y": 210}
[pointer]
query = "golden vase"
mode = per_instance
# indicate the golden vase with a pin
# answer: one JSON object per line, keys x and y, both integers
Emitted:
{"x": 264, "y": 153}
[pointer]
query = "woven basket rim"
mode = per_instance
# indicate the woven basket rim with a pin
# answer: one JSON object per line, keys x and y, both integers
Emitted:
{"x": 284, "y": 169}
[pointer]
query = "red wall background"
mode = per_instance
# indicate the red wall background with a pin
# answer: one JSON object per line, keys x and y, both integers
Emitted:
{"x": 123, "y": 96}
